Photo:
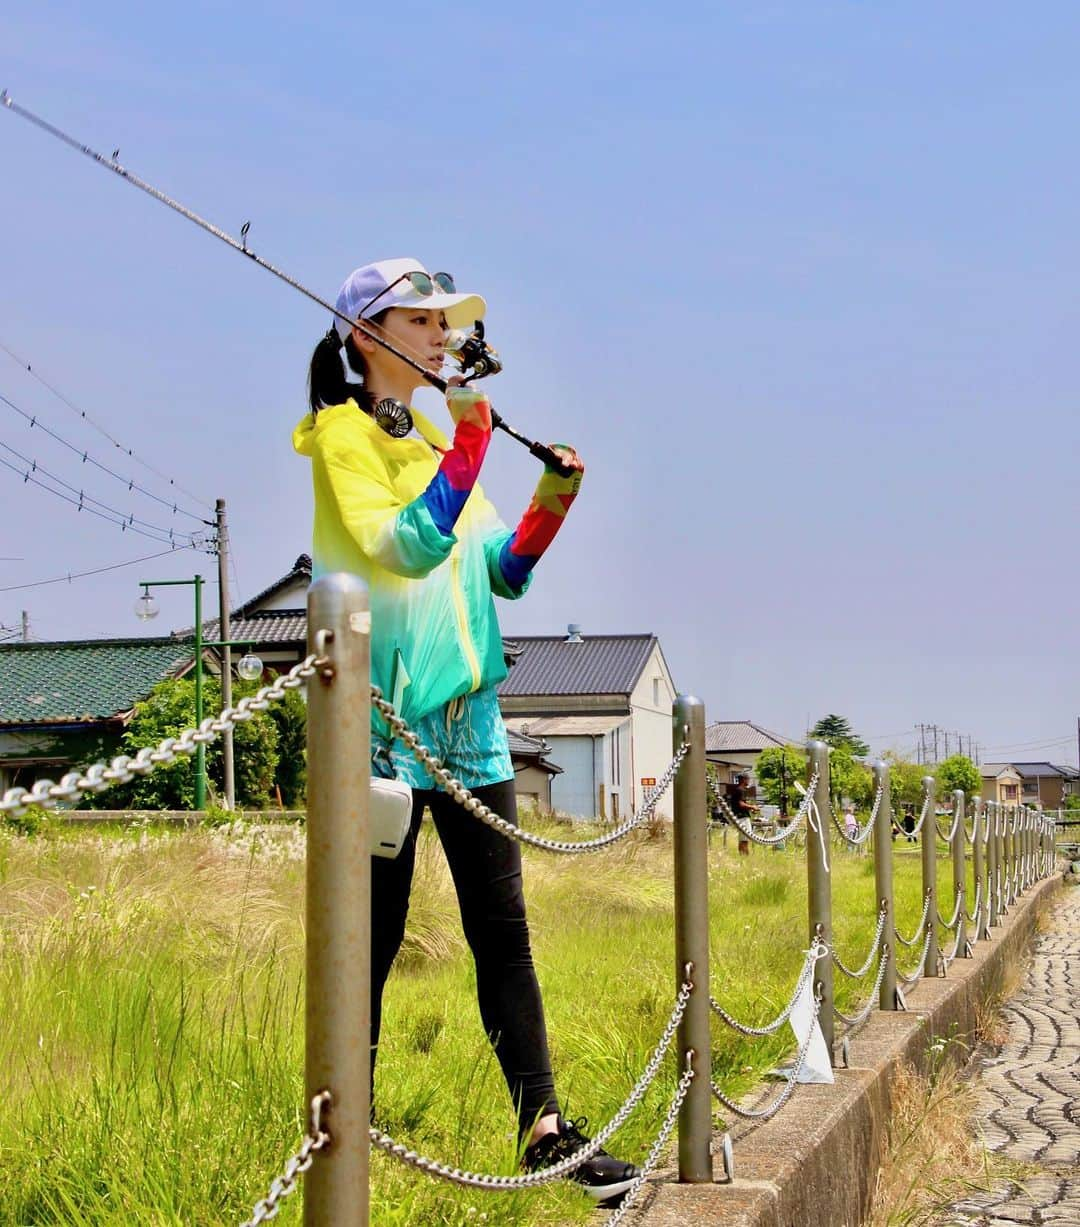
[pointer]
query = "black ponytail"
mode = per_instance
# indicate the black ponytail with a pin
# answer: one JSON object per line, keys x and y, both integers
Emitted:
{"x": 327, "y": 384}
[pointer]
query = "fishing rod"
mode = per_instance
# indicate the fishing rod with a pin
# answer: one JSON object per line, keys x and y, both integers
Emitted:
{"x": 469, "y": 350}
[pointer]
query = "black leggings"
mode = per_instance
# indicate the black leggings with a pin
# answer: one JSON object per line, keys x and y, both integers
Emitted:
{"x": 486, "y": 868}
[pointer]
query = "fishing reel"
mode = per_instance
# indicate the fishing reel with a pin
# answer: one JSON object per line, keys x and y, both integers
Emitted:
{"x": 473, "y": 355}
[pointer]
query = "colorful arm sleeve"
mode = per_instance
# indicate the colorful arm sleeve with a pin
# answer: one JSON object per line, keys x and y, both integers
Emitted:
{"x": 536, "y": 531}
{"x": 450, "y": 487}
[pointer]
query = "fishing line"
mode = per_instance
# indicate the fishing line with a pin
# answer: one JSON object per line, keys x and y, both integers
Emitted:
{"x": 540, "y": 450}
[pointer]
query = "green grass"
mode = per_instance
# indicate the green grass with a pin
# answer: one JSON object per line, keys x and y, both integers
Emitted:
{"x": 152, "y": 1041}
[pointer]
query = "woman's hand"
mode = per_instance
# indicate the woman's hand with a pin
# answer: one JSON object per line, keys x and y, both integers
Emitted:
{"x": 568, "y": 457}
{"x": 469, "y": 405}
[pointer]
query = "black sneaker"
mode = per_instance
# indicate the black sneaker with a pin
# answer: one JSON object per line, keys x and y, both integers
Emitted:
{"x": 603, "y": 1178}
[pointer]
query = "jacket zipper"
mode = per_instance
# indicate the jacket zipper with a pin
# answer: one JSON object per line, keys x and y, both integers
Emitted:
{"x": 463, "y": 622}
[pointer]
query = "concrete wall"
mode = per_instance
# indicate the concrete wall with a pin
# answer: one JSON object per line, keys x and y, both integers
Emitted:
{"x": 533, "y": 787}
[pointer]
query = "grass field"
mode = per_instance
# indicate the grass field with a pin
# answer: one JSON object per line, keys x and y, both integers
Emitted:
{"x": 151, "y": 1043}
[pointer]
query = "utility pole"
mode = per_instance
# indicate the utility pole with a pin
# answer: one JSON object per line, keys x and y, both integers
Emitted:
{"x": 26, "y": 626}
{"x": 226, "y": 651}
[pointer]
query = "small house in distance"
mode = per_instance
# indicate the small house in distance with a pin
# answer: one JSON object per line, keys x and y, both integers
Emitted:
{"x": 603, "y": 704}
{"x": 1043, "y": 784}
{"x": 734, "y": 746}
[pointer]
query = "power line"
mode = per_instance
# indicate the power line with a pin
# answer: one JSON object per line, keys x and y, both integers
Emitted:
{"x": 101, "y": 429}
{"x": 86, "y": 458}
{"x": 116, "y": 566}
{"x": 82, "y": 505}
{"x": 83, "y": 498}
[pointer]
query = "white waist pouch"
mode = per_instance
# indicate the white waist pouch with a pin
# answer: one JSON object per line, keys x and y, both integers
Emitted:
{"x": 391, "y": 812}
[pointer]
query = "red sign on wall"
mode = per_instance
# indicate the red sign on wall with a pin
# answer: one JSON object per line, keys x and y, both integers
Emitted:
{"x": 648, "y": 781}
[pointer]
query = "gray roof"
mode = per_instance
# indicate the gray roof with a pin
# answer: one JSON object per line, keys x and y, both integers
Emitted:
{"x": 599, "y": 664}
{"x": 265, "y": 627}
{"x": 739, "y": 736}
{"x": 1031, "y": 771}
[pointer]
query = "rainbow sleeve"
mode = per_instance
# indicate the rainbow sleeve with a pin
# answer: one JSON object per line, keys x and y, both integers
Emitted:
{"x": 448, "y": 490}
{"x": 551, "y": 501}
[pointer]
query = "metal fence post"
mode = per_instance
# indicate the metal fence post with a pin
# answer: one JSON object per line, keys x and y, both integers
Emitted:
{"x": 819, "y": 882}
{"x": 883, "y": 885}
{"x": 338, "y": 1007}
{"x": 959, "y": 865}
{"x": 691, "y": 840}
{"x": 929, "y": 874}
{"x": 993, "y": 868}
{"x": 978, "y": 838}
{"x": 1008, "y": 841}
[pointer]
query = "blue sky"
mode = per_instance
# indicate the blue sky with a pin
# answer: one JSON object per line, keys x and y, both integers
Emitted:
{"x": 796, "y": 279}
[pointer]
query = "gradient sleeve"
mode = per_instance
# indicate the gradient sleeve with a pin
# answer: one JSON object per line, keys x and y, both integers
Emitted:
{"x": 542, "y": 520}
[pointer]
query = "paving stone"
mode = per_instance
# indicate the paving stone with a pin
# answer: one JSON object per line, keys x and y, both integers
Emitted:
{"x": 1030, "y": 1094}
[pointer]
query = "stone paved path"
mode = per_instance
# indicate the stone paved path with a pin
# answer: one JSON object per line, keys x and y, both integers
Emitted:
{"x": 1030, "y": 1094}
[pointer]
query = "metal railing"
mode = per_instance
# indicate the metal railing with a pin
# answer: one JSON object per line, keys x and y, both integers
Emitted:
{"x": 1012, "y": 848}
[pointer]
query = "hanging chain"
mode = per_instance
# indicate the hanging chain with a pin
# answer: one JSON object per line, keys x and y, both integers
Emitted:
{"x": 918, "y": 932}
{"x": 817, "y": 951}
{"x": 786, "y": 1093}
{"x": 446, "y": 781}
{"x": 865, "y": 1012}
{"x": 860, "y": 972}
{"x": 856, "y": 841}
{"x": 317, "y": 1139}
{"x": 493, "y": 1183}
{"x": 768, "y": 841}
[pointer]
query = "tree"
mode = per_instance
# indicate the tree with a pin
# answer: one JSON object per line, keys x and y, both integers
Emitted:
{"x": 837, "y": 732}
{"x": 958, "y": 771}
{"x": 290, "y": 716}
{"x": 167, "y": 711}
{"x": 849, "y": 778}
{"x": 777, "y": 769}
{"x": 905, "y": 781}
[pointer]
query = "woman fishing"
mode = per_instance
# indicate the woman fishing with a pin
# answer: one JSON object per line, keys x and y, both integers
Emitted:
{"x": 399, "y": 504}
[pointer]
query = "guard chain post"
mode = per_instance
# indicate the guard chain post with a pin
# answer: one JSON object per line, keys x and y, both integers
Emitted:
{"x": 993, "y": 894}
{"x": 959, "y": 864}
{"x": 883, "y": 884}
{"x": 691, "y": 853}
{"x": 338, "y": 895}
{"x": 100, "y": 776}
{"x": 819, "y": 884}
{"x": 978, "y": 859}
{"x": 929, "y": 874}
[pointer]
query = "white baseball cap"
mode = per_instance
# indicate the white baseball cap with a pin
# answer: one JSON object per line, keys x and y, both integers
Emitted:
{"x": 375, "y": 287}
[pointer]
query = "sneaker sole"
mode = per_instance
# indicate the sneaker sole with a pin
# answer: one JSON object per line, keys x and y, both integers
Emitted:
{"x": 603, "y": 1192}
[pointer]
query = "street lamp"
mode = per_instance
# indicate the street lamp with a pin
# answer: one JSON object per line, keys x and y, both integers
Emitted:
{"x": 146, "y": 608}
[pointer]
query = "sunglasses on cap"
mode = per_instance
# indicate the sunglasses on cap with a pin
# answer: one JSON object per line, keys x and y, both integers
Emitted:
{"x": 423, "y": 284}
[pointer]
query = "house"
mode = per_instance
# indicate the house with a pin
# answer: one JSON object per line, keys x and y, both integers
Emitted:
{"x": 65, "y": 704}
{"x": 1001, "y": 782}
{"x": 603, "y": 703}
{"x": 735, "y": 745}
{"x": 1043, "y": 784}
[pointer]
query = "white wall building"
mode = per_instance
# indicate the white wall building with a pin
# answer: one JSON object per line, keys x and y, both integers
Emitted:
{"x": 603, "y": 704}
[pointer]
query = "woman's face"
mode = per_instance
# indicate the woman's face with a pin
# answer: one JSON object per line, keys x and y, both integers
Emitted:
{"x": 418, "y": 332}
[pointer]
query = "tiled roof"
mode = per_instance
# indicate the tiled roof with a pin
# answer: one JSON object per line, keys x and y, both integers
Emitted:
{"x": 267, "y": 626}
{"x": 739, "y": 736}
{"x": 80, "y": 680}
{"x": 1031, "y": 771}
{"x": 599, "y": 664}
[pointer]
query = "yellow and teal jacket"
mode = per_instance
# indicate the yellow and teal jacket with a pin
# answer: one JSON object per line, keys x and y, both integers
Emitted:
{"x": 380, "y": 513}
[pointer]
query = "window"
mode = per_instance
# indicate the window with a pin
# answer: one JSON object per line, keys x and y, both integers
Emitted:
{"x": 656, "y": 692}
{"x": 1008, "y": 792}
{"x": 615, "y": 758}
